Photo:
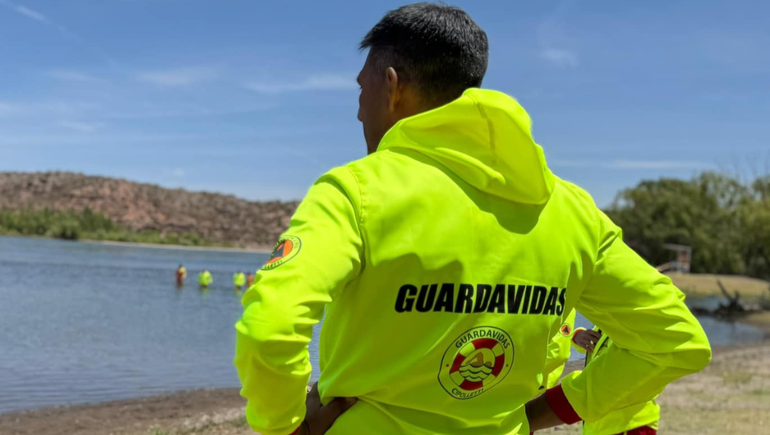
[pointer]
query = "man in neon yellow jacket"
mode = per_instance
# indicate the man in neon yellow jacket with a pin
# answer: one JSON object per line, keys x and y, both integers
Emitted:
{"x": 445, "y": 261}
{"x": 639, "y": 419}
{"x": 205, "y": 279}
{"x": 239, "y": 280}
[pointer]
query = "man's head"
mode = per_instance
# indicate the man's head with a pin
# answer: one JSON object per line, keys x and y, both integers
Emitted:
{"x": 421, "y": 56}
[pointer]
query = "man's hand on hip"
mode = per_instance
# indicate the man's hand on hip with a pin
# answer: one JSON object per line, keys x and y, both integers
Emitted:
{"x": 320, "y": 418}
{"x": 540, "y": 415}
{"x": 587, "y": 339}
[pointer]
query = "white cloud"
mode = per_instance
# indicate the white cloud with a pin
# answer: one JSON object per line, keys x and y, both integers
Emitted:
{"x": 39, "y": 17}
{"x": 71, "y": 76}
{"x": 8, "y": 109}
{"x": 137, "y": 141}
{"x": 153, "y": 112}
{"x": 657, "y": 164}
{"x": 35, "y": 15}
{"x": 53, "y": 109}
{"x": 560, "y": 58}
{"x": 81, "y": 127}
{"x": 23, "y": 10}
{"x": 178, "y": 77}
{"x": 322, "y": 82}
{"x": 632, "y": 164}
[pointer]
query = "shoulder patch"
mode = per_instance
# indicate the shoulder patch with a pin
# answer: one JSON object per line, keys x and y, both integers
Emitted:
{"x": 566, "y": 329}
{"x": 287, "y": 248}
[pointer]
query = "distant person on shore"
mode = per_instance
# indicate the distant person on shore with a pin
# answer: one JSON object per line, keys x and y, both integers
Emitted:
{"x": 181, "y": 275}
{"x": 249, "y": 280}
{"x": 205, "y": 279}
{"x": 638, "y": 419}
{"x": 444, "y": 262}
{"x": 239, "y": 280}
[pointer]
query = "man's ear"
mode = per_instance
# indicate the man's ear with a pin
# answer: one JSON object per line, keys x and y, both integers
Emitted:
{"x": 394, "y": 91}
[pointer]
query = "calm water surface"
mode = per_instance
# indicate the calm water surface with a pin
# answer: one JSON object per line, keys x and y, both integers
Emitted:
{"x": 82, "y": 322}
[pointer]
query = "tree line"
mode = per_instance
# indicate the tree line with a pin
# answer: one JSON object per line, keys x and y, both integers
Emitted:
{"x": 85, "y": 224}
{"x": 724, "y": 220}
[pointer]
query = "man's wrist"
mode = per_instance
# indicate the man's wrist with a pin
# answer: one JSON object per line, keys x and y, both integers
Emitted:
{"x": 303, "y": 429}
{"x": 560, "y": 406}
{"x": 539, "y": 415}
{"x": 575, "y": 335}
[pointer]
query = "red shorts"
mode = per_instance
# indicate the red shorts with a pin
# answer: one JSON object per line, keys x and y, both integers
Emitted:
{"x": 644, "y": 430}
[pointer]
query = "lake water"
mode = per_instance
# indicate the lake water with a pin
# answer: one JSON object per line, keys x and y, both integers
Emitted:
{"x": 83, "y": 322}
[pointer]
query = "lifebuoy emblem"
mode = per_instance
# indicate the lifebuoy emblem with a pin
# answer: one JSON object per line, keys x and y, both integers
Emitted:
{"x": 476, "y": 361}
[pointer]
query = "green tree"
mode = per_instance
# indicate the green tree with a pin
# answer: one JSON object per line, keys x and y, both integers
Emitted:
{"x": 724, "y": 221}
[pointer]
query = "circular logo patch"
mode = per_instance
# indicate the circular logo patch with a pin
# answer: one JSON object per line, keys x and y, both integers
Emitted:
{"x": 566, "y": 329}
{"x": 476, "y": 361}
{"x": 287, "y": 248}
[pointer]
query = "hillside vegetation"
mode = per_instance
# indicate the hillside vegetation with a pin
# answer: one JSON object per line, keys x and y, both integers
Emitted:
{"x": 76, "y": 206}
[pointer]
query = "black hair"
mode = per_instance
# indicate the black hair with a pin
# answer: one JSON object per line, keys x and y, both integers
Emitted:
{"x": 436, "y": 48}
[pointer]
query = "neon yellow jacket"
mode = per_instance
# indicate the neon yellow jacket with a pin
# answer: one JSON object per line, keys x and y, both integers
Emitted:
{"x": 559, "y": 351}
{"x": 625, "y": 419}
{"x": 444, "y": 263}
{"x": 239, "y": 279}
{"x": 205, "y": 278}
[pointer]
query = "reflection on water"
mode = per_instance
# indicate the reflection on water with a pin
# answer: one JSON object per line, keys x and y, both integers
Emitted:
{"x": 84, "y": 322}
{"x": 723, "y": 333}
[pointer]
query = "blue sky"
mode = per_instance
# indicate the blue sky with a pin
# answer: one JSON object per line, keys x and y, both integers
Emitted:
{"x": 258, "y": 98}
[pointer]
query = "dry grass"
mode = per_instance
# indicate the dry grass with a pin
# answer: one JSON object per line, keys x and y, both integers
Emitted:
{"x": 702, "y": 284}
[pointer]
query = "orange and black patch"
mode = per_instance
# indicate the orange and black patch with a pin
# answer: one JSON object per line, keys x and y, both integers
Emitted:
{"x": 287, "y": 248}
{"x": 566, "y": 329}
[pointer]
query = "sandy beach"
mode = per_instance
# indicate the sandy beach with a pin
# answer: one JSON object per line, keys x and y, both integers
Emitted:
{"x": 731, "y": 396}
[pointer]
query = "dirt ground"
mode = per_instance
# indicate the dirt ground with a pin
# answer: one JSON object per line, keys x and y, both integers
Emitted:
{"x": 731, "y": 396}
{"x": 189, "y": 412}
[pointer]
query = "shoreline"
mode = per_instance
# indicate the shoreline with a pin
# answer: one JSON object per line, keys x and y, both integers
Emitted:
{"x": 253, "y": 250}
{"x": 729, "y": 396}
{"x": 256, "y": 250}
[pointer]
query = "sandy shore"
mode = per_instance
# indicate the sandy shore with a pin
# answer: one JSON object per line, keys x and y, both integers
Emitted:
{"x": 732, "y": 396}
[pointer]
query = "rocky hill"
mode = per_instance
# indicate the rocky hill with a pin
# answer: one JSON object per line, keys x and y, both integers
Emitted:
{"x": 217, "y": 218}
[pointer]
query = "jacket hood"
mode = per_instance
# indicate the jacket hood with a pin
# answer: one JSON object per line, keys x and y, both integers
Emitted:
{"x": 485, "y": 138}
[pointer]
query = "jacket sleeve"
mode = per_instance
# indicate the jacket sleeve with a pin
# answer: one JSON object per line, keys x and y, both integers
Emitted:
{"x": 287, "y": 300}
{"x": 656, "y": 338}
{"x": 559, "y": 348}
{"x": 558, "y": 352}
